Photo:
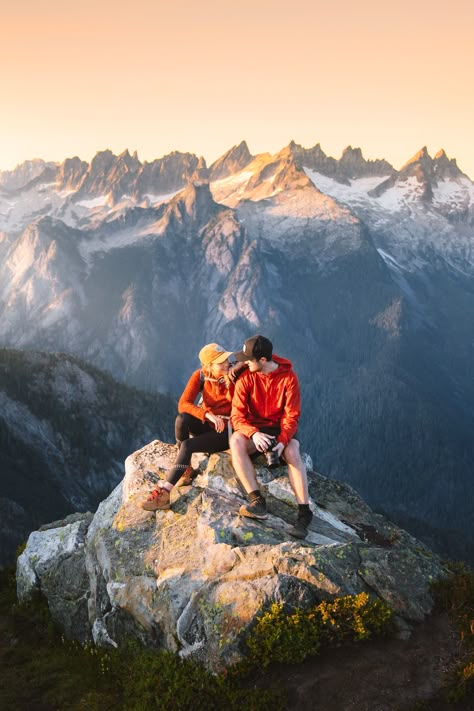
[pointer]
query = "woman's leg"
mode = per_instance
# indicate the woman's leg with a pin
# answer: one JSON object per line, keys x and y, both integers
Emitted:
{"x": 207, "y": 441}
{"x": 210, "y": 441}
{"x": 186, "y": 424}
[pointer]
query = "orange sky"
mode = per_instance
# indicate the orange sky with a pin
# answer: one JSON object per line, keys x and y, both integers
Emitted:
{"x": 201, "y": 76}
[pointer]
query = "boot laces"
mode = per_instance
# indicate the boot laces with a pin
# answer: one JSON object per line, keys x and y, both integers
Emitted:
{"x": 156, "y": 494}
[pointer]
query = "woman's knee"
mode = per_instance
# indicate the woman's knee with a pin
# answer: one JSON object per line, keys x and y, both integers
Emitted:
{"x": 187, "y": 447}
{"x": 181, "y": 426}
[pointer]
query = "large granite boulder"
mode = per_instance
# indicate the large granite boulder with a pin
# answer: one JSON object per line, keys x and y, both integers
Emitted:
{"x": 193, "y": 579}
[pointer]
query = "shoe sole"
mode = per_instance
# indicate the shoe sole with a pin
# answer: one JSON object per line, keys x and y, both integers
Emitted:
{"x": 296, "y": 534}
{"x": 156, "y": 508}
{"x": 243, "y": 512}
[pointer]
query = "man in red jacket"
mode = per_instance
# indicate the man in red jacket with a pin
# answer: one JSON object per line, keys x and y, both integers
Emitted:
{"x": 266, "y": 405}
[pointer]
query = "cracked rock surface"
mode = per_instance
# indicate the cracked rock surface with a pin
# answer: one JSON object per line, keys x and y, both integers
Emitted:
{"x": 193, "y": 579}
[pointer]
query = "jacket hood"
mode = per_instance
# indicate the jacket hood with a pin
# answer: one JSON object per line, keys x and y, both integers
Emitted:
{"x": 283, "y": 363}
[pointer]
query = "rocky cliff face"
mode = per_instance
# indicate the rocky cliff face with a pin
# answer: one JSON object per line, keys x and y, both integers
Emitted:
{"x": 192, "y": 580}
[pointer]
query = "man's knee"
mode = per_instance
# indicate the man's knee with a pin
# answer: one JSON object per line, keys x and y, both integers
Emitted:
{"x": 238, "y": 442}
{"x": 291, "y": 453}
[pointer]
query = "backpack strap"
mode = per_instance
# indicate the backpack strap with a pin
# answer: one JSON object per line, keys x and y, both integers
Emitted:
{"x": 201, "y": 388}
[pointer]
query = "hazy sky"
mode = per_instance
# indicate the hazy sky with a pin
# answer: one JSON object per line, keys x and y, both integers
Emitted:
{"x": 200, "y": 76}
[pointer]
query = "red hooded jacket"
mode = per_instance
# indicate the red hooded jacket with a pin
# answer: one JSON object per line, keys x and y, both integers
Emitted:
{"x": 267, "y": 400}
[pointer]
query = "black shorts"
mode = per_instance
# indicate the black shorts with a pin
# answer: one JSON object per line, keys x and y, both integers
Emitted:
{"x": 274, "y": 432}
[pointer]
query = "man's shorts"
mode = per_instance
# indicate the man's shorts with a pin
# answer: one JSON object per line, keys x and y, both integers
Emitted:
{"x": 274, "y": 432}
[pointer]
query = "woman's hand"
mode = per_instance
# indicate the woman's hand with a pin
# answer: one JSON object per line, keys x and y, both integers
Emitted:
{"x": 218, "y": 422}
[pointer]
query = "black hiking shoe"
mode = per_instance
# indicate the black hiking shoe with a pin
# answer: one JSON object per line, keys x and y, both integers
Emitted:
{"x": 257, "y": 508}
{"x": 300, "y": 528}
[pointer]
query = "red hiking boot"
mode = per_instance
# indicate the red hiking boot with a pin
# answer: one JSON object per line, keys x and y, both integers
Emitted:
{"x": 159, "y": 500}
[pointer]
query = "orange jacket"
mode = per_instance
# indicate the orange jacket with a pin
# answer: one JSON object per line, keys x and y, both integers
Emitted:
{"x": 271, "y": 400}
{"x": 216, "y": 397}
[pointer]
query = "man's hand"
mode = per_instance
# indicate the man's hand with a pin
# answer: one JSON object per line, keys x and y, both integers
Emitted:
{"x": 261, "y": 441}
{"x": 279, "y": 447}
{"x": 234, "y": 370}
{"x": 218, "y": 422}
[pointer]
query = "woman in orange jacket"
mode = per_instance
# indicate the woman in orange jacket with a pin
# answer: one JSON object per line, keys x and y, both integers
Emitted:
{"x": 207, "y": 422}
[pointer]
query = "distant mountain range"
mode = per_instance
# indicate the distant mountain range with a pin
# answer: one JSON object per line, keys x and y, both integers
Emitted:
{"x": 360, "y": 273}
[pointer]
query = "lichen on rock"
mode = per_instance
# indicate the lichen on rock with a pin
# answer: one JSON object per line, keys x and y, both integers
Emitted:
{"x": 194, "y": 579}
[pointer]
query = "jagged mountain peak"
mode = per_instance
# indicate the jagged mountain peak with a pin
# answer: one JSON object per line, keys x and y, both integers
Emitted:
{"x": 131, "y": 161}
{"x": 292, "y": 148}
{"x": 353, "y": 165}
{"x": 103, "y": 157}
{"x": 350, "y": 152}
{"x": 71, "y": 173}
{"x": 421, "y": 157}
{"x": 195, "y": 202}
{"x": 169, "y": 174}
{"x": 201, "y": 171}
{"x": 24, "y": 173}
{"x": 446, "y": 168}
{"x": 350, "y": 166}
{"x": 317, "y": 150}
{"x": 234, "y": 160}
{"x": 430, "y": 170}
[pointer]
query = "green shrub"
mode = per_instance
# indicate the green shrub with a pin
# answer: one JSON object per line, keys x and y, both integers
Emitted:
{"x": 282, "y": 637}
{"x": 455, "y": 595}
{"x": 161, "y": 680}
{"x": 40, "y": 669}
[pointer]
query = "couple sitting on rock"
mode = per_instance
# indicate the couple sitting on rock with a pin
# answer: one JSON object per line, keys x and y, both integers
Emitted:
{"x": 252, "y": 407}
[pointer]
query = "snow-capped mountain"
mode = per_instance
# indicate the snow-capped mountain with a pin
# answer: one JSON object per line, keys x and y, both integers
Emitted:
{"x": 360, "y": 273}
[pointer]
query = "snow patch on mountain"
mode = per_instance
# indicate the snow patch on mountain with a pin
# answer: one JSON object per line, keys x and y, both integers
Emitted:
{"x": 230, "y": 190}
{"x": 95, "y": 202}
{"x": 401, "y": 195}
{"x": 457, "y": 195}
{"x": 152, "y": 200}
{"x": 126, "y": 237}
{"x": 357, "y": 190}
{"x": 302, "y": 224}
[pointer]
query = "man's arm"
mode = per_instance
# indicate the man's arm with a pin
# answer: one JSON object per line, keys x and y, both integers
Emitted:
{"x": 292, "y": 410}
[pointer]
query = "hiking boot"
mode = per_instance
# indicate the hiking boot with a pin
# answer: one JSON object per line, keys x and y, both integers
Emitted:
{"x": 159, "y": 500}
{"x": 187, "y": 478}
{"x": 257, "y": 508}
{"x": 300, "y": 528}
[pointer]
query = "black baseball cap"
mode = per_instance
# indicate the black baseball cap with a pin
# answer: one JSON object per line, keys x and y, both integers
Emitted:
{"x": 255, "y": 348}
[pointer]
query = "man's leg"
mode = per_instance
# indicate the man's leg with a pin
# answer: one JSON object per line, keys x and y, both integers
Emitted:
{"x": 299, "y": 484}
{"x": 241, "y": 447}
{"x": 296, "y": 471}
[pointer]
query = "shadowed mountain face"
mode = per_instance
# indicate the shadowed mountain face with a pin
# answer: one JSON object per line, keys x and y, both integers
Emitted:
{"x": 65, "y": 429}
{"x": 362, "y": 275}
